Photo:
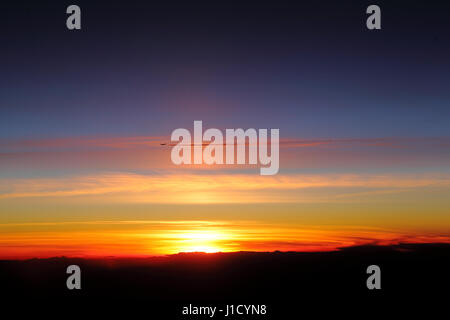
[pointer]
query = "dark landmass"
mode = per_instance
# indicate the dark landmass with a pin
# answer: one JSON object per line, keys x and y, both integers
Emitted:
{"x": 289, "y": 283}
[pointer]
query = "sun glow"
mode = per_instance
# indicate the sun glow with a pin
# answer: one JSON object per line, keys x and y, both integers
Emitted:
{"x": 200, "y": 241}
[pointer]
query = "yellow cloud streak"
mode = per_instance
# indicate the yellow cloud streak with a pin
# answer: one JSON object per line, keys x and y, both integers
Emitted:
{"x": 213, "y": 188}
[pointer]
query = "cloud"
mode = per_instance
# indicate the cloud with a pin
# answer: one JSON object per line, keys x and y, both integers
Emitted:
{"x": 171, "y": 187}
{"x": 79, "y": 143}
{"x": 153, "y": 153}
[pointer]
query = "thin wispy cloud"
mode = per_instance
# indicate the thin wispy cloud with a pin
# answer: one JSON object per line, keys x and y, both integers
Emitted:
{"x": 216, "y": 187}
{"x": 76, "y": 143}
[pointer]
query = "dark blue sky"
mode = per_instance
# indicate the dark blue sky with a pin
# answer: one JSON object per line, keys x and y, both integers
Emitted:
{"x": 312, "y": 70}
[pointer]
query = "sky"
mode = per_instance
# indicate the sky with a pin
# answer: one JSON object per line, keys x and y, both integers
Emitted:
{"x": 363, "y": 118}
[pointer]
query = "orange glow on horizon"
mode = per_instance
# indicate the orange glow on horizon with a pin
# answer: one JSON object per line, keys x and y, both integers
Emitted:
{"x": 147, "y": 238}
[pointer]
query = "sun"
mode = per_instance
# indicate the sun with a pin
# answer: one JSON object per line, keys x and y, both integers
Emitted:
{"x": 200, "y": 241}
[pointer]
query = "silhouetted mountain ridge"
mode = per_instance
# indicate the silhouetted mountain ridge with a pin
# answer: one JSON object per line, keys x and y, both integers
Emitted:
{"x": 411, "y": 272}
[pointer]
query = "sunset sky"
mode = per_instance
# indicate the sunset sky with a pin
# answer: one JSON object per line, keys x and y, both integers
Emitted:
{"x": 363, "y": 118}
